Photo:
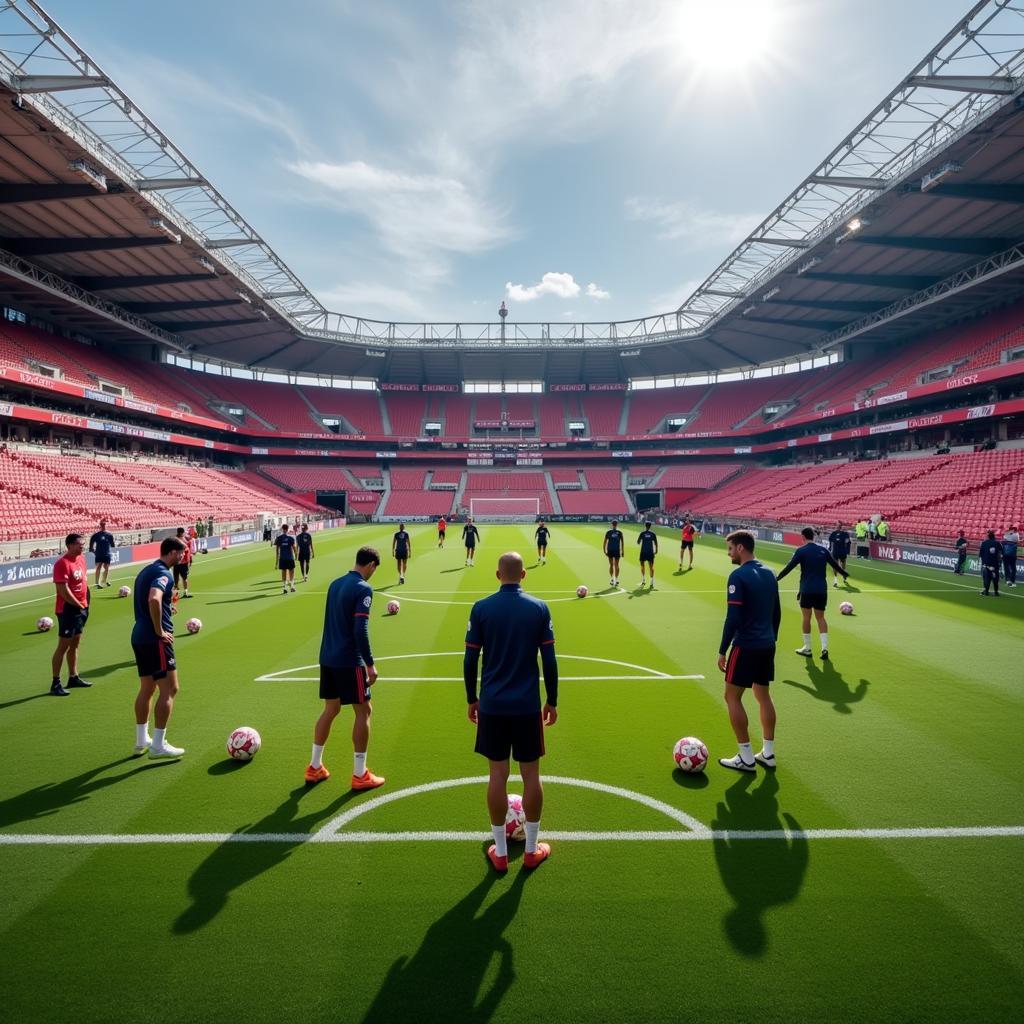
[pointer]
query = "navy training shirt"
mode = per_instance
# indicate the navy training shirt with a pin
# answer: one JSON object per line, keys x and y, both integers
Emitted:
{"x": 510, "y": 627}
{"x": 471, "y": 535}
{"x": 285, "y": 545}
{"x": 101, "y": 543}
{"x": 839, "y": 543}
{"x": 541, "y": 533}
{"x": 813, "y": 560}
{"x": 346, "y": 638}
{"x": 401, "y": 540}
{"x": 991, "y": 554}
{"x": 754, "y": 613}
{"x": 157, "y": 576}
{"x": 648, "y": 541}
{"x": 304, "y": 540}
{"x": 614, "y": 540}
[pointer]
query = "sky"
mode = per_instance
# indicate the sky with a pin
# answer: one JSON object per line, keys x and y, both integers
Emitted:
{"x": 578, "y": 159}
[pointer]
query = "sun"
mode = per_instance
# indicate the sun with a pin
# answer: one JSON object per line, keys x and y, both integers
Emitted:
{"x": 724, "y": 36}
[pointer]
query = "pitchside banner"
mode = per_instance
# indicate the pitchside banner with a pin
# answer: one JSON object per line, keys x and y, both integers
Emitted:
{"x": 930, "y": 558}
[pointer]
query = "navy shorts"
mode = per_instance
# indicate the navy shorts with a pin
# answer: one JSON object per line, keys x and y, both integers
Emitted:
{"x": 816, "y": 601}
{"x": 181, "y": 571}
{"x": 286, "y": 564}
{"x": 349, "y": 685}
{"x": 646, "y": 556}
{"x": 747, "y": 667}
{"x": 498, "y": 736}
{"x": 614, "y": 553}
{"x": 401, "y": 553}
{"x": 305, "y": 556}
{"x": 71, "y": 621}
{"x": 687, "y": 545}
{"x": 102, "y": 559}
{"x": 156, "y": 659}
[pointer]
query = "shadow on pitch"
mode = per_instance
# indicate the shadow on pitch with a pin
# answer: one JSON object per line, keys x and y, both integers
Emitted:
{"x": 236, "y": 862}
{"x": 690, "y": 780}
{"x": 826, "y": 684}
{"x": 241, "y": 600}
{"x": 458, "y": 568}
{"x": 226, "y": 767}
{"x": 757, "y": 874}
{"x": 106, "y": 670}
{"x": 42, "y": 801}
{"x": 23, "y": 700}
{"x": 639, "y": 592}
{"x": 469, "y": 938}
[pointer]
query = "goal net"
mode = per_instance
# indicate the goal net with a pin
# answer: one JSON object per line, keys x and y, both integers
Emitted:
{"x": 507, "y": 510}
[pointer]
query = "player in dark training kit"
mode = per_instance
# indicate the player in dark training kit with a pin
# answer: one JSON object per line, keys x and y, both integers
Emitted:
{"x": 183, "y": 568}
{"x": 284, "y": 558}
{"x": 961, "y": 553}
{"x": 470, "y": 536}
{"x": 648, "y": 541}
{"x": 613, "y": 544}
{"x": 751, "y": 627}
{"x": 102, "y": 545}
{"x": 541, "y": 533}
{"x": 304, "y": 542}
{"x": 511, "y": 627}
{"x": 346, "y": 668}
{"x": 813, "y": 560}
{"x": 401, "y": 549}
{"x": 153, "y": 645}
{"x": 839, "y": 544}
{"x": 990, "y": 553}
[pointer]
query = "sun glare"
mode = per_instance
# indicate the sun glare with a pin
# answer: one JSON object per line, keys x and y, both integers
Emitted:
{"x": 726, "y": 35}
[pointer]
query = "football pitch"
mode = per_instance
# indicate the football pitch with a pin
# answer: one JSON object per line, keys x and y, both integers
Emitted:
{"x": 873, "y": 876}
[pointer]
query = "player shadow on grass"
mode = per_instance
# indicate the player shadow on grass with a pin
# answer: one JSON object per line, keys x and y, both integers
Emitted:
{"x": 236, "y": 861}
{"x": 239, "y": 600}
{"x": 23, "y": 700}
{"x": 757, "y": 874}
{"x": 51, "y": 797}
{"x": 106, "y": 670}
{"x": 458, "y": 950}
{"x": 828, "y": 685}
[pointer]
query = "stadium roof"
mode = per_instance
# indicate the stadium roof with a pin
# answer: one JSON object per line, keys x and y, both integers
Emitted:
{"x": 915, "y": 219}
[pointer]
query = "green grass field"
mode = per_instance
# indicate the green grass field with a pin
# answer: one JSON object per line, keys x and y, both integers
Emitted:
{"x": 137, "y": 898}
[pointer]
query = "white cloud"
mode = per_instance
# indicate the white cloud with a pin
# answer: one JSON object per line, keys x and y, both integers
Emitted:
{"x": 593, "y": 292}
{"x": 552, "y": 283}
{"x": 688, "y": 222}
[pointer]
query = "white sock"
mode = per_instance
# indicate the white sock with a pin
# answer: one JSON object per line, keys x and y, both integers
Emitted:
{"x": 807, "y": 641}
{"x": 142, "y": 733}
{"x": 359, "y": 764}
{"x": 746, "y": 754}
{"x": 532, "y": 828}
{"x": 500, "y": 840}
{"x": 317, "y": 760}
{"x": 158, "y": 737}
{"x": 824, "y": 641}
{"x": 768, "y": 748}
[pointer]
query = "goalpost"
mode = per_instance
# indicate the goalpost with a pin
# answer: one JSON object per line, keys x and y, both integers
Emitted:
{"x": 505, "y": 510}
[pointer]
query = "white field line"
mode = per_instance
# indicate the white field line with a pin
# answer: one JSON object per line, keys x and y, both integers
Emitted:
{"x": 459, "y": 679}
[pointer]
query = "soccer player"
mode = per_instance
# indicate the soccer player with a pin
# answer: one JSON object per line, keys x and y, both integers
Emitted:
{"x": 1011, "y": 538}
{"x": 510, "y": 627}
{"x": 102, "y": 544}
{"x": 71, "y": 578}
{"x": 401, "y": 549}
{"x": 442, "y": 527}
{"x": 751, "y": 627}
{"x": 183, "y": 566}
{"x": 470, "y": 535}
{"x": 613, "y": 543}
{"x": 839, "y": 545}
{"x": 153, "y": 644}
{"x": 813, "y": 596}
{"x": 304, "y": 542}
{"x": 961, "y": 553}
{"x": 346, "y": 668}
{"x": 648, "y": 541}
{"x": 541, "y": 533}
{"x": 687, "y": 543}
{"x": 284, "y": 558}
{"x": 991, "y": 554}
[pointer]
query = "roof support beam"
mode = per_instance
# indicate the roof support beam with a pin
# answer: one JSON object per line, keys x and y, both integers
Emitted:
{"x": 227, "y": 243}
{"x": 273, "y": 352}
{"x": 908, "y": 282}
{"x": 282, "y": 295}
{"x": 145, "y": 308}
{"x": 993, "y": 193}
{"x": 207, "y": 325}
{"x": 841, "y": 182}
{"x": 108, "y": 284}
{"x": 995, "y": 85}
{"x": 55, "y": 246}
{"x": 723, "y": 292}
{"x": 58, "y": 83}
{"x": 159, "y": 184}
{"x": 791, "y": 243}
{"x": 740, "y": 360}
{"x": 805, "y": 325}
{"x": 971, "y": 246}
{"x": 850, "y": 305}
{"x": 47, "y": 193}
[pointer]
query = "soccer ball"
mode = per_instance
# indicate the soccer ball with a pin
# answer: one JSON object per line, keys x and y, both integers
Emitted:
{"x": 846, "y": 608}
{"x": 125, "y": 592}
{"x": 44, "y": 624}
{"x": 244, "y": 743}
{"x": 690, "y": 754}
{"x": 393, "y": 607}
{"x": 515, "y": 819}
{"x": 194, "y": 625}
{"x": 581, "y": 591}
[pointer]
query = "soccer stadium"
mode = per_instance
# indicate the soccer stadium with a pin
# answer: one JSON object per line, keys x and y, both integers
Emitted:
{"x": 827, "y": 419}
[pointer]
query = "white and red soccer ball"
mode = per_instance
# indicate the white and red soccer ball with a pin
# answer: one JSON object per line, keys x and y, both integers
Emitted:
{"x": 244, "y": 743}
{"x": 690, "y": 755}
{"x": 515, "y": 818}
{"x": 194, "y": 625}
{"x": 393, "y": 607}
{"x": 846, "y": 608}
{"x": 582, "y": 591}
{"x": 125, "y": 592}
{"x": 44, "y": 624}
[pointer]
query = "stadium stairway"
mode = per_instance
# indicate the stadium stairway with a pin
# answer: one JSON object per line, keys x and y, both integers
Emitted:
{"x": 556, "y": 505}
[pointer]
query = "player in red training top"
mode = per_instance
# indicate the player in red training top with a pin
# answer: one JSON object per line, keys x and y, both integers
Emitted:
{"x": 70, "y": 577}
{"x": 689, "y": 530}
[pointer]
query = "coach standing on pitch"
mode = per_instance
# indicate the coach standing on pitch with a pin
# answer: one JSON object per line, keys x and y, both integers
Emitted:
{"x": 751, "y": 627}
{"x": 991, "y": 554}
{"x": 510, "y": 627}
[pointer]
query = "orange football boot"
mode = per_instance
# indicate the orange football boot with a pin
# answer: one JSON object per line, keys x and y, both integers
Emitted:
{"x": 534, "y": 860}
{"x": 314, "y": 775}
{"x": 500, "y": 864}
{"x": 367, "y": 780}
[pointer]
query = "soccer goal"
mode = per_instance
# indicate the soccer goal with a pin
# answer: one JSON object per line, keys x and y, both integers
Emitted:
{"x": 505, "y": 510}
